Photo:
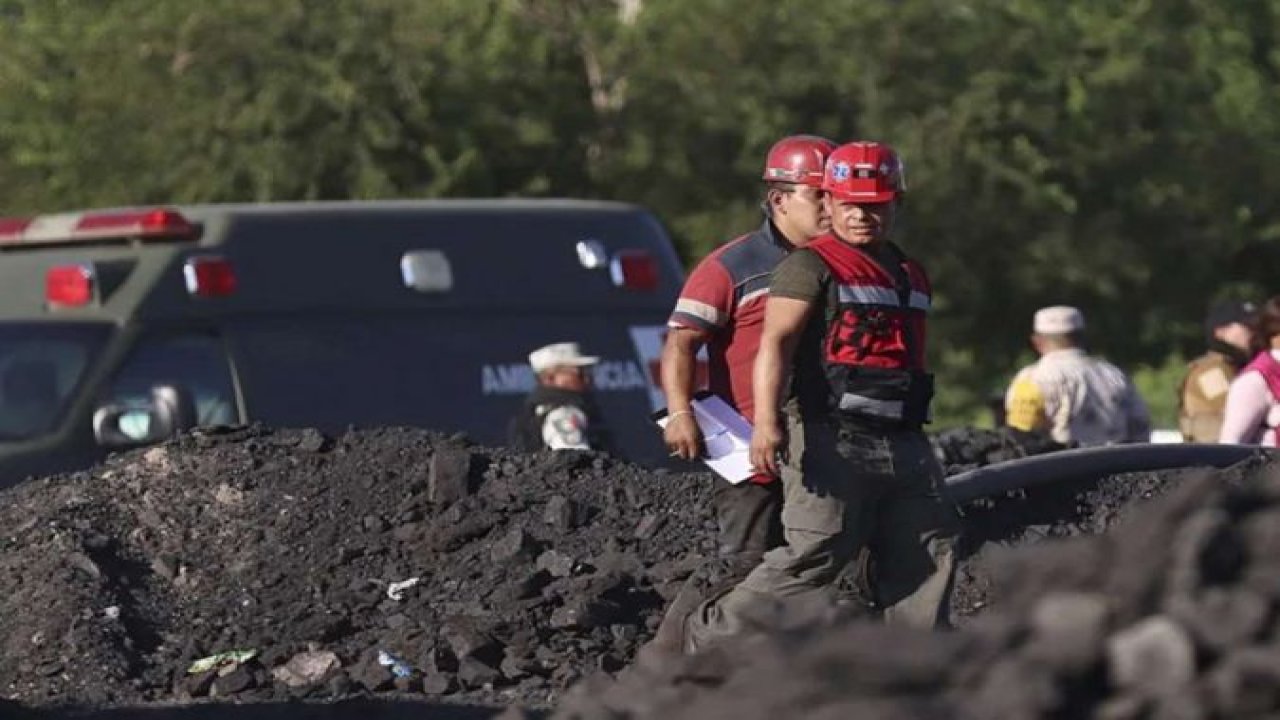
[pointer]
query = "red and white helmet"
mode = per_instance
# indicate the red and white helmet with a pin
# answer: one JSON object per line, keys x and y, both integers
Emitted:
{"x": 868, "y": 172}
{"x": 798, "y": 159}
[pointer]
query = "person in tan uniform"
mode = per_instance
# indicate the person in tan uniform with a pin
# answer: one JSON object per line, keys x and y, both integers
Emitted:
{"x": 1076, "y": 398}
{"x": 1203, "y": 393}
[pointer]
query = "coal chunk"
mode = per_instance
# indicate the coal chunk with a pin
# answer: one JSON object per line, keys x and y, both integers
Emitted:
{"x": 448, "y": 478}
{"x": 371, "y": 675}
{"x": 1221, "y": 618}
{"x": 512, "y": 545}
{"x": 466, "y": 640}
{"x": 648, "y": 527}
{"x": 1152, "y": 658}
{"x": 475, "y": 673}
{"x": 1247, "y": 682}
{"x": 239, "y": 679}
{"x": 312, "y": 441}
{"x": 562, "y": 513}
{"x": 1069, "y": 630}
{"x": 585, "y": 614}
{"x": 439, "y": 684}
{"x": 198, "y": 685}
{"x": 555, "y": 563}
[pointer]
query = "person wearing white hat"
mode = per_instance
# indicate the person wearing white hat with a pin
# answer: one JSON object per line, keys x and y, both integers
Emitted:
{"x": 559, "y": 414}
{"x": 1074, "y": 397}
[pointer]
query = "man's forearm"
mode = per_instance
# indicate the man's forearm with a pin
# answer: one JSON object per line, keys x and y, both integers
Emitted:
{"x": 679, "y": 373}
{"x": 767, "y": 378}
{"x": 784, "y": 321}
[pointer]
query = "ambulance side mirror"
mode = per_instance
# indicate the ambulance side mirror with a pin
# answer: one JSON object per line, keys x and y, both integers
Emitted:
{"x": 170, "y": 410}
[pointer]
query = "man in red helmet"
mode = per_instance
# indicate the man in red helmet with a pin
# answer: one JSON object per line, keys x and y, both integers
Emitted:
{"x": 841, "y": 394}
{"x": 722, "y": 308}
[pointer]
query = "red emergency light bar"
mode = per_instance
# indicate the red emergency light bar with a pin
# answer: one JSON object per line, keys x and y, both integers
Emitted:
{"x": 151, "y": 223}
{"x": 11, "y": 229}
{"x": 81, "y": 227}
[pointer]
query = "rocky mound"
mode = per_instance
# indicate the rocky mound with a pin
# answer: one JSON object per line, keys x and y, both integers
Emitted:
{"x": 397, "y": 562}
{"x": 993, "y": 526}
{"x": 961, "y": 449}
{"x": 381, "y": 560}
{"x": 1172, "y": 615}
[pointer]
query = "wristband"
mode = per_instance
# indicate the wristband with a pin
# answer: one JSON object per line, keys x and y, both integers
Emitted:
{"x": 678, "y": 413}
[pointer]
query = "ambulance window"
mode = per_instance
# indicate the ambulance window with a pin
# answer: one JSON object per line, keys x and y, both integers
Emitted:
{"x": 195, "y": 361}
{"x": 41, "y": 368}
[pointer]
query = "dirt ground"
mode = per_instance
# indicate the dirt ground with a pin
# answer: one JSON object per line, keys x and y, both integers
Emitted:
{"x": 396, "y": 565}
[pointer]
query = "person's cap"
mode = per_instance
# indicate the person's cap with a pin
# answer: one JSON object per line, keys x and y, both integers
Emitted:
{"x": 565, "y": 354}
{"x": 1226, "y": 313}
{"x": 1058, "y": 320}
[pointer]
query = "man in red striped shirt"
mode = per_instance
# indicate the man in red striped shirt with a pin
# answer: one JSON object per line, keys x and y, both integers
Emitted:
{"x": 721, "y": 307}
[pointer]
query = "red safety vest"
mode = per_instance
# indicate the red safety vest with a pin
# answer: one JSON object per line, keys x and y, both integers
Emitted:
{"x": 874, "y": 350}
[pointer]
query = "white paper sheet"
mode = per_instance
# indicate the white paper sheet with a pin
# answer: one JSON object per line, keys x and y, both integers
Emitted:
{"x": 727, "y": 437}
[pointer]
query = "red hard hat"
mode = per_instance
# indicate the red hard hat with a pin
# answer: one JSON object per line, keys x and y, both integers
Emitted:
{"x": 864, "y": 172}
{"x": 798, "y": 159}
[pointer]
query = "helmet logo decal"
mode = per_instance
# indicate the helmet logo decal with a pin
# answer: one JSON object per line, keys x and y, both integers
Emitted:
{"x": 840, "y": 172}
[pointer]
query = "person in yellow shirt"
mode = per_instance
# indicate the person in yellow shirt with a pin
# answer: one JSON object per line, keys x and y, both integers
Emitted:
{"x": 1202, "y": 396}
{"x": 1076, "y": 398}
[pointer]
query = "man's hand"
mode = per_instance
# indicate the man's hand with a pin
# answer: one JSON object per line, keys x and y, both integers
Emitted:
{"x": 683, "y": 436}
{"x": 679, "y": 365}
{"x": 766, "y": 443}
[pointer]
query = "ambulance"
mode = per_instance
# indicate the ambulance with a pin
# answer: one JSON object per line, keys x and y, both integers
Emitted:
{"x": 121, "y": 327}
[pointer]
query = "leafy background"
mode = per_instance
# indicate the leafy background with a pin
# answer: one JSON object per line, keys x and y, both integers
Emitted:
{"x": 1119, "y": 155}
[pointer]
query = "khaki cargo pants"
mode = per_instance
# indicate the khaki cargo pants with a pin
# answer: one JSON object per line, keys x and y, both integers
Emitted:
{"x": 749, "y": 520}
{"x": 842, "y": 491}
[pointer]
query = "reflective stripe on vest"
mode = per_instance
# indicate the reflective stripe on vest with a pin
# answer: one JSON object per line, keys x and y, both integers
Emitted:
{"x": 891, "y": 409}
{"x": 876, "y": 295}
{"x": 868, "y": 295}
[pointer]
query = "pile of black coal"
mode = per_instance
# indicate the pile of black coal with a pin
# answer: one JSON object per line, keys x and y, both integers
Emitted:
{"x": 1169, "y": 614}
{"x": 992, "y": 526}
{"x": 262, "y": 565}
{"x": 1084, "y": 506}
{"x": 278, "y": 564}
{"x": 966, "y": 448}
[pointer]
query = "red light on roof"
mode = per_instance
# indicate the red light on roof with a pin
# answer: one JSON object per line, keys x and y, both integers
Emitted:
{"x": 107, "y": 226}
{"x": 209, "y": 276}
{"x": 11, "y": 229}
{"x": 146, "y": 223}
{"x": 634, "y": 270}
{"x": 69, "y": 286}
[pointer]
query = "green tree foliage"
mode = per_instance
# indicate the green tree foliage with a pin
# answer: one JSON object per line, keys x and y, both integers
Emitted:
{"x": 1119, "y": 156}
{"x": 132, "y": 100}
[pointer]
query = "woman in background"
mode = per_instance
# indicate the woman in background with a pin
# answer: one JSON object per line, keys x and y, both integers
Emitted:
{"x": 1253, "y": 403}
